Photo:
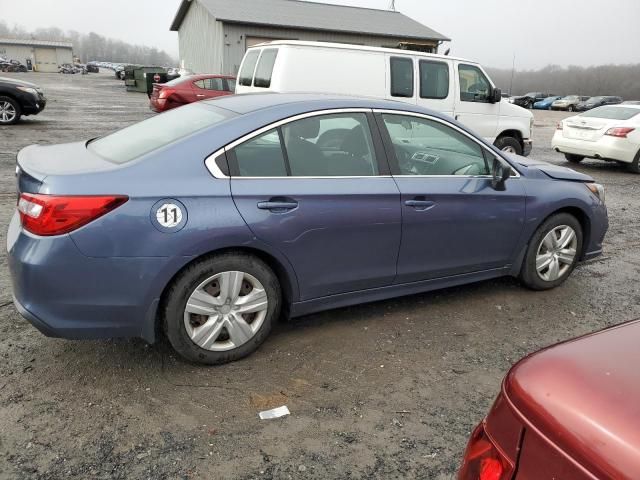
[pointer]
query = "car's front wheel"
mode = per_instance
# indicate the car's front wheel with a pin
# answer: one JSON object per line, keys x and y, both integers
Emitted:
{"x": 573, "y": 158}
{"x": 553, "y": 252}
{"x": 10, "y": 111}
{"x": 634, "y": 167}
{"x": 570, "y": 108}
{"x": 221, "y": 308}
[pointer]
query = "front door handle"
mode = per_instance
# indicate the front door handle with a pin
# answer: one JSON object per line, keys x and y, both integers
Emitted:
{"x": 278, "y": 206}
{"x": 420, "y": 205}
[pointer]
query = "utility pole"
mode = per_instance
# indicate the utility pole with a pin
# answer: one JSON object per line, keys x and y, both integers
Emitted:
{"x": 513, "y": 71}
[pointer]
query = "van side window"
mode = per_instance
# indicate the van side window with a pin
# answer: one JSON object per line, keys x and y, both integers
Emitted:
{"x": 434, "y": 79}
{"x": 474, "y": 86}
{"x": 248, "y": 67}
{"x": 265, "y": 68}
{"x": 402, "y": 77}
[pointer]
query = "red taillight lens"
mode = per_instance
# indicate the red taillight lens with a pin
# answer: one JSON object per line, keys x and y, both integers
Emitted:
{"x": 483, "y": 461}
{"x": 620, "y": 132}
{"x": 165, "y": 92}
{"x": 48, "y": 215}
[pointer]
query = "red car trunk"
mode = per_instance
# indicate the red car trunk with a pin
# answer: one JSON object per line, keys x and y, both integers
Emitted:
{"x": 184, "y": 90}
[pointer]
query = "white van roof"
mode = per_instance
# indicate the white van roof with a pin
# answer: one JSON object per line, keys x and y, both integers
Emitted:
{"x": 347, "y": 46}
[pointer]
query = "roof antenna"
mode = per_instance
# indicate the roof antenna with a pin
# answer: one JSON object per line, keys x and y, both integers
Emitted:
{"x": 393, "y": 5}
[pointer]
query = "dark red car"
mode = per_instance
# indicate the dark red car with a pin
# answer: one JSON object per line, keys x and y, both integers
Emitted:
{"x": 569, "y": 412}
{"x": 183, "y": 90}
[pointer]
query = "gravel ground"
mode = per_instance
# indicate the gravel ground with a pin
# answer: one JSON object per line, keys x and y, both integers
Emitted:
{"x": 385, "y": 390}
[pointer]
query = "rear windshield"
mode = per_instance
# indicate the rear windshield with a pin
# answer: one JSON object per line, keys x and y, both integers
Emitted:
{"x": 612, "y": 113}
{"x": 177, "y": 81}
{"x": 156, "y": 132}
{"x": 248, "y": 67}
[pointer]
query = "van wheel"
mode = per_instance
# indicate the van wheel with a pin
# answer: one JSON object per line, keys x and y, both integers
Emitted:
{"x": 221, "y": 308}
{"x": 634, "y": 167}
{"x": 573, "y": 158}
{"x": 509, "y": 145}
{"x": 553, "y": 253}
{"x": 10, "y": 111}
{"x": 570, "y": 109}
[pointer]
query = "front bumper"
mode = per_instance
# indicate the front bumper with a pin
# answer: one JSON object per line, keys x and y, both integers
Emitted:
{"x": 66, "y": 294}
{"x": 606, "y": 148}
{"x": 32, "y": 105}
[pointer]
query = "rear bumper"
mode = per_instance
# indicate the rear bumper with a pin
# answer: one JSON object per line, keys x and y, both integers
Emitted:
{"x": 606, "y": 148}
{"x": 66, "y": 294}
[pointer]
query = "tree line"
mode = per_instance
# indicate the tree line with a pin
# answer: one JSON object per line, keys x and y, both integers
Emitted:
{"x": 91, "y": 46}
{"x": 618, "y": 80}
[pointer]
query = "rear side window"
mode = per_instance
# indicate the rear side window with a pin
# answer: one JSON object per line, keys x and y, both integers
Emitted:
{"x": 402, "y": 77}
{"x": 210, "y": 84}
{"x": 248, "y": 67}
{"x": 434, "y": 80}
{"x": 231, "y": 84}
{"x": 261, "y": 156}
{"x": 156, "y": 132}
{"x": 265, "y": 68}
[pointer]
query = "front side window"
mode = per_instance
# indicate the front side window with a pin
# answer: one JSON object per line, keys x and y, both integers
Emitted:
{"x": 474, "y": 86}
{"x": 427, "y": 147}
{"x": 248, "y": 67}
{"x": 402, "y": 77}
{"x": 334, "y": 145}
{"x": 265, "y": 68}
{"x": 434, "y": 80}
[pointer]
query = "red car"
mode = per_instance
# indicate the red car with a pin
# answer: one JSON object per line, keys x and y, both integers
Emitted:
{"x": 183, "y": 90}
{"x": 569, "y": 412}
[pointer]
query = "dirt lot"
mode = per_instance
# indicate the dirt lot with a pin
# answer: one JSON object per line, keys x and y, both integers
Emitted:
{"x": 387, "y": 390}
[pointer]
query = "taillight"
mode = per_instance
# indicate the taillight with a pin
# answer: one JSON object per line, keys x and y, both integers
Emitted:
{"x": 483, "y": 460}
{"x": 166, "y": 92}
{"x": 620, "y": 132}
{"x": 48, "y": 215}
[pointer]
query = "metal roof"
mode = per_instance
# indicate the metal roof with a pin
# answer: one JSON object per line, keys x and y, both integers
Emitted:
{"x": 34, "y": 43}
{"x": 313, "y": 16}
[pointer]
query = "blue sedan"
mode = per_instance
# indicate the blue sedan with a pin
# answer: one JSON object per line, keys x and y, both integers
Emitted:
{"x": 546, "y": 103}
{"x": 209, "y": 222}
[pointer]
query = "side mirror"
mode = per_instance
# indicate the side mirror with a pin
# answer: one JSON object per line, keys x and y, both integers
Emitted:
{"x": 496, "y": 95}
{"x": 501, "y": 172}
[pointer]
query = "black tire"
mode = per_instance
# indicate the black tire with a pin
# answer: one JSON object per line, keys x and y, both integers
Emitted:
{"x": 634, "y": 167}
{"x": 530, "y": 105}
{"x": 529, "y": 275}
{"x": 505, "y": 143}
{"x": 17, "y": 108}
{"x": 185, "y": 284}
{"x": 573, "y": 158}
{"x": 570, "y": 108}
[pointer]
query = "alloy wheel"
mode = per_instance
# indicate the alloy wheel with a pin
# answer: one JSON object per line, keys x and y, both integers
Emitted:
{"x": 225, "y": 311}
{"x": 556, "y": 253}
{"x": 7, "y": 112}
{"x": 509, "y": 149}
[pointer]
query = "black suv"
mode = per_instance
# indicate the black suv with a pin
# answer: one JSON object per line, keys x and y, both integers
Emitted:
{"x": 594, "y": 102}
{"x": 527, "y": 100}
{"x": 19, "y": 98}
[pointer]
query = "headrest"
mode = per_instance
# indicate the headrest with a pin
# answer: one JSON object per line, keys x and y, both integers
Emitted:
{"x": 307, "y": 128}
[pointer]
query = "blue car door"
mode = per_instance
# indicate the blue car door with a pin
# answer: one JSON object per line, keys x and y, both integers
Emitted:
{"x": 454, "y": 222}
{"x": 318, "y": 189}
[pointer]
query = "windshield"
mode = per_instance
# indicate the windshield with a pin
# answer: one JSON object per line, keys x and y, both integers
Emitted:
{"x": 613, "y": 113}
{"x": 571, "y": 97}
{"x": 156, "y": 132}
{"x": 176, "y": 81}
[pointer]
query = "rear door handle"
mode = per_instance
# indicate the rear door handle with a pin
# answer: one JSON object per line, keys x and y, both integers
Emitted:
{"x": 277, "y": 206}
{"x": 420, "y": 205}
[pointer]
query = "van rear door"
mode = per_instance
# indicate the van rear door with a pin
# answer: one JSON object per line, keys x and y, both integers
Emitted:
{"x": 473, "y": 105}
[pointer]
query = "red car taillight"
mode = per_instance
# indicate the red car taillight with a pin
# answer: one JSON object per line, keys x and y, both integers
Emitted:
{"x": 620, "y": 132}
{"x": 483, "y": 460}
{"x": 165, "y": 92}
{"x": 48, "y": 215}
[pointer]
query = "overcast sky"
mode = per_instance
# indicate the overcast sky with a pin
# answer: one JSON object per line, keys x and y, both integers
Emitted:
{"x": 539, "y": 32}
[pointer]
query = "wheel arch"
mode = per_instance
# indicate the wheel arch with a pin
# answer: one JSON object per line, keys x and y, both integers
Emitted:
{"x": 517, "y": 134}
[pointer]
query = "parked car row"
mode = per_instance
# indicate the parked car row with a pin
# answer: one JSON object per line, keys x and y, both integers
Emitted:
{"x": 7, "y": 65}
{"x": 72, "y": 69}
{"x": 570, "y": 103}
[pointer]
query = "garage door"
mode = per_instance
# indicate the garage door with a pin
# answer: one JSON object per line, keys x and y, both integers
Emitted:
{"x": 46, "y": 59}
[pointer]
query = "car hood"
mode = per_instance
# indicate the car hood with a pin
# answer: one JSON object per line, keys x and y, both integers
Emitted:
{"x": 21, "y": 83}
{"x": 584, "y": 396}
{"x": 551, "y": 170}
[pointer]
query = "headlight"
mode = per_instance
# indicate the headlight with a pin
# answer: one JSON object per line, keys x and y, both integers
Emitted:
{"x": 30, "y": 90}
{"x": 597, "y": 190}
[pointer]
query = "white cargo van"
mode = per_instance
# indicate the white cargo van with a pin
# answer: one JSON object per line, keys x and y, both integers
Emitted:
{"x": 453, "y": 86}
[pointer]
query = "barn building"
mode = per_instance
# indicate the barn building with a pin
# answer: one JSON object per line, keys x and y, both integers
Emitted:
{"x": 41, "y": 55}
{"x": 214, "y": 34}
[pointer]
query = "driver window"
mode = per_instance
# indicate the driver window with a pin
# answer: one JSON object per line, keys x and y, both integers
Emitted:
{"x": 427, "y": 147}
{"x": 474, "y": 86}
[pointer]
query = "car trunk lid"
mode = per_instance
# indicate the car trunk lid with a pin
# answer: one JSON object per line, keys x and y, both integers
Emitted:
{"x": 589, "y": 129}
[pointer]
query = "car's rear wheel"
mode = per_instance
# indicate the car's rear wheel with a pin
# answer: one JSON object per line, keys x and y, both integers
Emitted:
{"x": 221, "y": 308}
{"x": 571, "y": 109}
{"x": 10, "y": 111}
{"x": 509, "y": 145}
{"x": 573, "y": 158}
{"x": 553, "y": 252}
{"x": 634, "y": 167}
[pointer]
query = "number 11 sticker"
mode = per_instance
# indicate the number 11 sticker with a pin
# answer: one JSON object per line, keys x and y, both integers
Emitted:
{"x": 169, "y": 215}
